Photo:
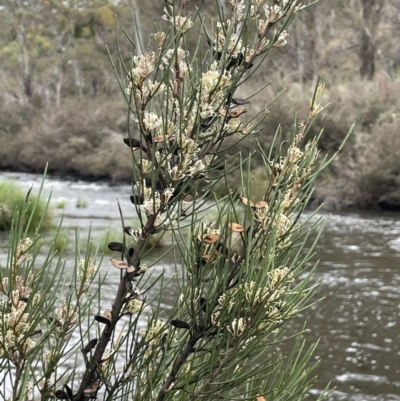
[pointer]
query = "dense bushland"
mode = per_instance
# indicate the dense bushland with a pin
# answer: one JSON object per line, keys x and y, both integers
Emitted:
{"x": 68, "y": 112}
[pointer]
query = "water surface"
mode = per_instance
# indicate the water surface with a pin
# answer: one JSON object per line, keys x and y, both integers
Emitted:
{"x": 359, "y": 274}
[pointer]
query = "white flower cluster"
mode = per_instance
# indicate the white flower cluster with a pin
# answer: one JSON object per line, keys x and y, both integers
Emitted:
{"x": 182, "y": 24}
{"x": 153, "y": 204}
{"x": 133, "y": 306}
{"x": 21, "y": 254}
{"x": 14, "y": 318}
{"x": 270, "y": 297}
{"x": 175, "y": 59}
{"x": 239, "y": 9}
{"x": 288, "y": 172}
{"x": 87, "y": 270}
{"x": 15, "y": 325}
{"x": 66, "y": 317}
{"x": 273, "y": 13}
{"x": 189, "y": 164}
{"x": 234, "y": 45}
{"x": 213, "y": 83}
{"x": 281, "y": 40}
{"x": 238, "y": 326}
{"x": 151, "y": 121}
{"x": 155, "y": 333}
{"x": 144, "y": 65}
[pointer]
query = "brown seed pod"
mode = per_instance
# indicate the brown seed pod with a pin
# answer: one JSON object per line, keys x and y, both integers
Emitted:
{"x": 102, "y": 319}
{"x": 210, "y": 257}
{"x": 246, "y": 201}
{"x": 261, "y": 205}
{"x": 134, "y": 144}
{"x": 210, "y": 238}
{"x": 90, "y": 345}
{"x": 237, "y": 113}
{"x": 107, "y": 314}
{"x": 260, "y": 398}
{"x": 239, "y": 102}
{"x": 136, "y": 199}
{"x": 222, "y": 111}
{"x": 92, "y": 388}
{"x": 69, "y": 391}
{"x": 119, "y": 264}
{"x": 180, "y": 324}
{"x": 62, "y": 395}
{"x": 235, "y": 227}
{"x": 130, "y": 269}
{"x": 115, "y": 246}
{"x": 160, "y": 138}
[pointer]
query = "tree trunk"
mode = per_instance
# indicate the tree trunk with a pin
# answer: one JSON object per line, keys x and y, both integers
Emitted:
{"x": 370, "y": 18}
{"x": 310, "y": 44}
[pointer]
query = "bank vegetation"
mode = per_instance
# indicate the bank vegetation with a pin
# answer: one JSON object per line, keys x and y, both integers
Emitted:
{"x": 60, "y": 102}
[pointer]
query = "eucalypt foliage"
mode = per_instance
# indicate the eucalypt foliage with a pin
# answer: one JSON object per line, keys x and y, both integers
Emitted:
{"x": 241, "y": 276}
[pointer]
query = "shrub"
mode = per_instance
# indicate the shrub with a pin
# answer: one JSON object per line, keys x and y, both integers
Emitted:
{"x": 13, "y": 199}
{"x": 242, "y": 272}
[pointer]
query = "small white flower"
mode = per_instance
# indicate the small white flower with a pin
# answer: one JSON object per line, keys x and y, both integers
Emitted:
{"x": 198, "y": 167}
{"x": 238, "y": 327}
{"x": 151, "y": 121}
{"x": 144, "y": 65}
{"x": 155, "y": 87}
{"x": 168, "y": 193}
{"x": 273, "y": 13}
{"x": 145, "y": 165}
{"x": 182, "y": 24}
{"x": 233, "y": 125}
{"x": 133, "y": 306}
{"x": 153, "y": 333}
{"x": 281, "y": 41}
{"x": 175, "y": 173}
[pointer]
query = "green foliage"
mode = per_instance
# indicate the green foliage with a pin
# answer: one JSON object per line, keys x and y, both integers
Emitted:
{"x": 242, "y": 272}
{"x": 14, "y": 200}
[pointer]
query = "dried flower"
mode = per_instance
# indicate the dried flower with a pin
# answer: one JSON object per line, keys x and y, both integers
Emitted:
{"x": 182, "y": 24}
{"x": 238, "y": 326}
{"x": 151, "y": 121}
{"x": 273, "y": 13}
{"x": 281, "y": 41}
{"x": 145, "y": 165}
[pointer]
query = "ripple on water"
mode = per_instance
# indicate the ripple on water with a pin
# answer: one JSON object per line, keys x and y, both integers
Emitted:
{"x": 359, "y": 278}
{"x": 359, "y": 377}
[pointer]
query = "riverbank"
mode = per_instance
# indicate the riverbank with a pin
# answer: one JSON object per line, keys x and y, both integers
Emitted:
{"x": 84, "y": 139}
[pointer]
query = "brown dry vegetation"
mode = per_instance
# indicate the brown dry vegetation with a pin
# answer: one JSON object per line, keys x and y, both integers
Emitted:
{"x": 83, "y": 136}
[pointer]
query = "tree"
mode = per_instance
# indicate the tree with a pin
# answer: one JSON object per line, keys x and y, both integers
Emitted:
{"x": 244, "y": 273}
{"x": 52, "y": 45}
{"x": 371, "y": 10}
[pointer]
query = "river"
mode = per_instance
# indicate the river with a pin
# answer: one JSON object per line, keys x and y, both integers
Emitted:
{"x": 357, "y": 322}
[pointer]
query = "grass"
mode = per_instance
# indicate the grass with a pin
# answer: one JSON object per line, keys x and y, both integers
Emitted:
{"x": 81, "y": 203}
{"x": 61, "y": 203}
{"x": 13, "y": 198}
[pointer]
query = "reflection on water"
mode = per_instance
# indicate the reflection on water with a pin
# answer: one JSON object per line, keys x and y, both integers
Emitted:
{"x": 359, "y": 274}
